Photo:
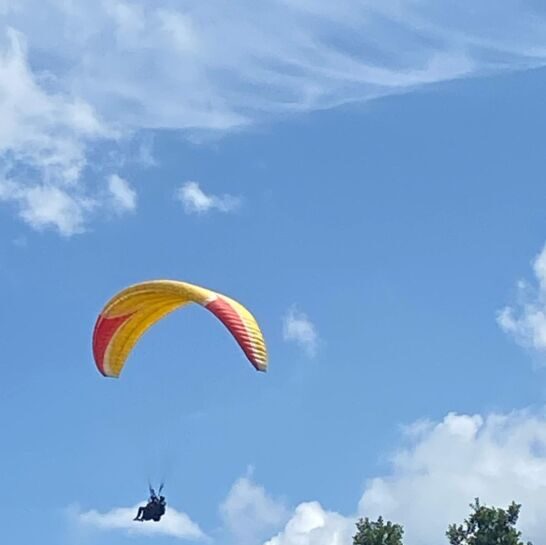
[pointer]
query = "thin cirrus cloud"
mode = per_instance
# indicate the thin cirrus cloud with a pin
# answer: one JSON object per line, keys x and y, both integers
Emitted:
{"x": 525, "y": 320}
{"x": 217, "y": 66}
{"x": 298, "y": 328}
{"x": 124, "y": 197}
{"x": 196, "y": 201}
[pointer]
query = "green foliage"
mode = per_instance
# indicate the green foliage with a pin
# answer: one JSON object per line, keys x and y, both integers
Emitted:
{"x": 487, "y": 526}
{"x": 377, "y": 533}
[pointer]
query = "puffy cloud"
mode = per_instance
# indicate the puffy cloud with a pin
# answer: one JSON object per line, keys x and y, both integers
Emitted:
{"x": 526, "y": 320}
{"x": 434, "y": 478}
{"x": 312, "y": 525}
{"x": 196, "y": 201}
{"x": 173, "y": 523}
{"x": 43, "y": 206}
{"x": 298, "y": 328}
{"x": 249, "y": 513}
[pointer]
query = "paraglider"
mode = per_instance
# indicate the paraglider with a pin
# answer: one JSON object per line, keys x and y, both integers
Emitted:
{"x": 132, "y": 311}
{"x": 128, "y": 315}
{"x": 154, "y": 509}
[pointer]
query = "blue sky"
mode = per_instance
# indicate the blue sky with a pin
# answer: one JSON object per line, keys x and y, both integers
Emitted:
{"x": 391, "y": 249}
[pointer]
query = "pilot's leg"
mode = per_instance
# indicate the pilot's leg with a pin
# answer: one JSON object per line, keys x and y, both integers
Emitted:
{"x": 139, "y": 514}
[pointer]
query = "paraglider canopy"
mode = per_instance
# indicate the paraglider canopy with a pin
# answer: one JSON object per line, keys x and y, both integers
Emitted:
{"x": 128, "y": 315}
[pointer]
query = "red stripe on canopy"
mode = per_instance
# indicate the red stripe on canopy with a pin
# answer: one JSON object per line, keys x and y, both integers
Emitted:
{"x": 231, "y": 319}
{"x": 105, "y": 329}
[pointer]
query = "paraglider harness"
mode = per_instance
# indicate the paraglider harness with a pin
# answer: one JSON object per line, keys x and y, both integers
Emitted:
{"x": 154, "y": 509}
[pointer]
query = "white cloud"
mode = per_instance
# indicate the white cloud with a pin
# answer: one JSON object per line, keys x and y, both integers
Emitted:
{"x": 43, "y": 143}
{"x": 433, "y": 477}
{"x": 43, "y": 206}
{"x": 123, "y": 196}
{"x": 196, "y": 201}
{"x": 145, "y": 153}
{"x": 173, "y": 523}
{"x": 312, "y": 525}
{"x": 249, "y": 513}
{"x": 220, "y": 65}
{"x": 499, "y": 458}
{"x": 526, "y": 320}
{"x": 298, "y": 328}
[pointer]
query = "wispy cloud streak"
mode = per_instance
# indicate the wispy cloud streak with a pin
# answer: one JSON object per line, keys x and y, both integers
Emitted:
{"x": 298, "y": 328}
{"x": 196, "y": 201}
{"x": 218, "y": 66}
{"x": 526, "y": 319}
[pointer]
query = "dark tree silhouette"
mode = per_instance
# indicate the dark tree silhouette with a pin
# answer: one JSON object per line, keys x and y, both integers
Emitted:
{"x": 377, "y": 533}
{"x": 487, "y": 526}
